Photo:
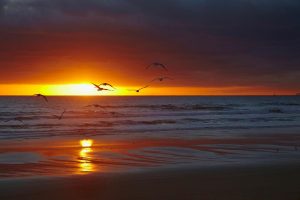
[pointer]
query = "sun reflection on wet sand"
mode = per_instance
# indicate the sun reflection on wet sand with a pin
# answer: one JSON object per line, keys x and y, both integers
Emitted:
{"x": 85, "y": 163}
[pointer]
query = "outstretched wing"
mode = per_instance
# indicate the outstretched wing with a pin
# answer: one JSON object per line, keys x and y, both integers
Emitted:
{"x": 155, "y": 79}
{"x": 97, "y": 86}
{"x": 44, "y": 98}
{"x": 144, "y": 87}
{"x": 108, "y": 85}
{"x": 149, "y": 66}
{"x": 20, "y": 120}
{"x": 105, "y": 89}
{"x": 163, "y": 66}
{"x": 62, "y": 114}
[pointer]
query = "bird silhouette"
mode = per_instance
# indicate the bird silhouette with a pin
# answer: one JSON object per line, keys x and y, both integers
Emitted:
{"x": 59, "y": 117}
{"x": 138, "y": 90}
{"x": 100, "y": 88}
{"x": 160, "y": 79}
{"x": 96, "y": 106}
{"x": 107, "y": 84}
{"x": 157, "y": 64}
{"x": 20, "y": 119}
{"x": 41, "y": 95}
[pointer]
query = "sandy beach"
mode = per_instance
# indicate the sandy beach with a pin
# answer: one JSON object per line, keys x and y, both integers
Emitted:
{"x": 232, "y": 183}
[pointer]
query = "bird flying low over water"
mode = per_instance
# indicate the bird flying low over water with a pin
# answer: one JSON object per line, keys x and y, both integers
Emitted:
{"x": 107, "y": 84}
{"x": 100, "y": 88}
{"x": 157, "y": 64}
{"x": 59, "y": 117}
{"x": 20, "y": 119}
{"x": 161, "y": 78}
{"x": 96, "y": 106}
{"x": 138, "y": 90}
{"x": 40, "y": 95}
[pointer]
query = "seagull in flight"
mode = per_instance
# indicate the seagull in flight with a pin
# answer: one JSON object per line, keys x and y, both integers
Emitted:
{"x": 157, "y": 64}
{"x": 40, "y": 95}
{"x": 161, "y": 78}
{"x": 138, "y": 90}
{"x": 100, "y": 88}
{"x": 61, "y": 115}
{"x": 20, "y": 119}
{"x": 96, "y": 106}
{"x": 107, "y": 84}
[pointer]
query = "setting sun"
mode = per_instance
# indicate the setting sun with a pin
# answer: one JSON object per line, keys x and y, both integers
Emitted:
{"x": 86, "y": 143}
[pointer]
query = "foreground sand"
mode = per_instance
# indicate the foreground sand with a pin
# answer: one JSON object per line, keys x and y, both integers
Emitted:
{"x": 232, "y": 183}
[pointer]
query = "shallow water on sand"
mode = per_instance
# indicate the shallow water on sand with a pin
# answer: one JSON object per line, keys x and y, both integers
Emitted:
{"x": 144, "y": 132}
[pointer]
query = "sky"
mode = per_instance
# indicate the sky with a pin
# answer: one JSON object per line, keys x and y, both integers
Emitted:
{"x": 211, "y": 47}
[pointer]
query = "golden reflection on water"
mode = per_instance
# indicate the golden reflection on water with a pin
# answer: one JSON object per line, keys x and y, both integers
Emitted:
{"x": 85, "y": 163}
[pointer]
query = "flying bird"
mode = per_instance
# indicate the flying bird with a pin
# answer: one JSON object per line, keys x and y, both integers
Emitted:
{"x": 100, "y": 88}
{"x": 20, "y": 119}
{"x": 161, "y": 79}
{"x": 96, "y": 106}
{"x": 107, "y": 84}
{"x": 157, "y": 64}
{"x": 40, "y": 95}
{"x": 138, "y": 90}
{"x": 59, "y": 117}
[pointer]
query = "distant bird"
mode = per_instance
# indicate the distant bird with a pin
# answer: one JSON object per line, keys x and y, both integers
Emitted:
{"x": 100, "y": 88}
{"x": 59, "y": 117}
{"x": 107, "y": 84}
{"x": 96, "y": 106}
{"x": 40, "y": 95}
{"x": 20, "y": 119}
{"x": 157, "y": 64}
{"x": 138, "y": 90}
{"x": 161, "y": 78}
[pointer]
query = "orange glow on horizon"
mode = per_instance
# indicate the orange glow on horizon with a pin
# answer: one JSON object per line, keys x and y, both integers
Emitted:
{"x": 87, "y": 89}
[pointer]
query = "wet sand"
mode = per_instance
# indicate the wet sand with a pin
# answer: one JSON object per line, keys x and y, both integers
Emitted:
{"x": 232, "y": 183}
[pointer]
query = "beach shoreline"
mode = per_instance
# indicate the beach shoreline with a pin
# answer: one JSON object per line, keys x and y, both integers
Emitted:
{"x": 227, "y": 182}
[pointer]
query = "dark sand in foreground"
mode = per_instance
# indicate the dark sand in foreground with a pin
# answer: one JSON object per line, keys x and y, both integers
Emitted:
{"x": 259, "y": 183}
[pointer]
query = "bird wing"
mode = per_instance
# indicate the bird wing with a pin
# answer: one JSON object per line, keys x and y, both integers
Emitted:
{"x": 97, "y": 86}
{"x": 108, "y": 85}
{"x": 144, "y": 87}
{"x": 105, "y": 89}
{"x": 20, "y": 120}
{"x": 163, "y": 66}
{"x": 152, "y": 64}
{"x": 111, "y": 86}
{"x": 62, "y": 114}
{"x": 55, "y": 116}
{"x": 154, "y": 80}
{"x": 44, "y": 98}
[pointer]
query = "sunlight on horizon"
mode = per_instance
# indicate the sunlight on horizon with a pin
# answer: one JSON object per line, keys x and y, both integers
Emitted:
{"x": 87, "y": 89}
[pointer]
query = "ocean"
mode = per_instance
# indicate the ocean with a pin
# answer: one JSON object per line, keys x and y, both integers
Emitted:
{"x": 140, "y": 132}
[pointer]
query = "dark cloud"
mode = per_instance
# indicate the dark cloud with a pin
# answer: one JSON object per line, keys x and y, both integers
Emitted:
{"x": 233, "y": 42}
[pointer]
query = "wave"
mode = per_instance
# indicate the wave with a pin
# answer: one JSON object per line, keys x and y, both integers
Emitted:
{"x": 279, "y": 104}
{"x": 276, "y": 110}
{"x": 171, "y": 107}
